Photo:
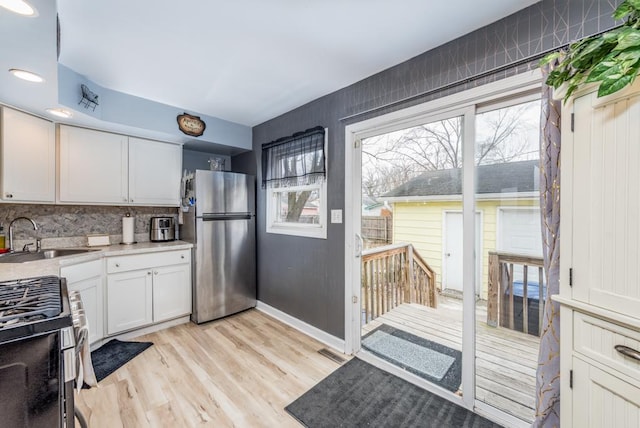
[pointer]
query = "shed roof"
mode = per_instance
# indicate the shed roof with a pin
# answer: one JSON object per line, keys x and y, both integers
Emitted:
{"x": 509, "y": 177}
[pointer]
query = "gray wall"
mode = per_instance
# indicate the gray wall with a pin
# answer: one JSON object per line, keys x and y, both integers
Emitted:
{"x": 305, "y": 277}
{"x": 193, "y": 159}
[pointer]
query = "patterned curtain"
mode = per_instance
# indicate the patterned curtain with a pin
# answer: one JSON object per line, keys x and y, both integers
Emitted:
{"x": 296, "y": 160}
{"x": 548, "y": 372}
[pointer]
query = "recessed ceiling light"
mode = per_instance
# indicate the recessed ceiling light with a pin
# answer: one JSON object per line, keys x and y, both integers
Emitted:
{"x": 26, "y": 75}
{"x": 60, "y": 112}
{"x": 20, "y": 7}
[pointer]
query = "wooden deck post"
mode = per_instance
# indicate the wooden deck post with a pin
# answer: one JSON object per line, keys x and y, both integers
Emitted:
{"x": 410, "y": 282}
{"x": 493, "y": 292}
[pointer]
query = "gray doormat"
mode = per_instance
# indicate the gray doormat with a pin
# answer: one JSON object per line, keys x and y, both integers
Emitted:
{"x": 429, "y": 360}
{"x": 361, "y": 395}
{"x": 113, "y": 355}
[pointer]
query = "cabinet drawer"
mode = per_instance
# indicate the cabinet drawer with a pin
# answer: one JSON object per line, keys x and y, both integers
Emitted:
{"x": 143, "y": 261}
{"x": 596, "y": 339}
{"x": 81, "y": 271}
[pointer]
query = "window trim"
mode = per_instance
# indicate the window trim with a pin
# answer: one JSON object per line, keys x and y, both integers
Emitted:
{"x": 318, "y": 231}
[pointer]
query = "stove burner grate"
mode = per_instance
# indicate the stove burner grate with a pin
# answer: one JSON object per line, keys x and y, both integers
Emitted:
{"x": 30, "y": 299}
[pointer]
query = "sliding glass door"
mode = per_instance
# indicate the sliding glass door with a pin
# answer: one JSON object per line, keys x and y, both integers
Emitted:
{"x": 412, "y": 284}
{"x": 511, "y": 291}
{"x": 448, "y": 265}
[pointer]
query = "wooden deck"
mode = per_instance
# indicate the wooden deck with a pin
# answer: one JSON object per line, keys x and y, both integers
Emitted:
{"x": 506, "y": 360}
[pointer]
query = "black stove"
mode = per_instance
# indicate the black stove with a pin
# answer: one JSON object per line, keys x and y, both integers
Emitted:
{"x": 33, "y": 306}
{"x": 37, "y": 353}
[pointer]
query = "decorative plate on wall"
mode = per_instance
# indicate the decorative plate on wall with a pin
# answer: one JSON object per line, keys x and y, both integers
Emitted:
{"x": 191, "y": 125}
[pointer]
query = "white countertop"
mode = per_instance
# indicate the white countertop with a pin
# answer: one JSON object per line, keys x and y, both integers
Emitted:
{"x": 9, "y": 271}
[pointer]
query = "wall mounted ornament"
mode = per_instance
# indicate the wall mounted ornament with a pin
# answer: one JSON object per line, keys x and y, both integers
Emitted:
{"x": 89, "y": 100}
{"x": 191, "y": 125}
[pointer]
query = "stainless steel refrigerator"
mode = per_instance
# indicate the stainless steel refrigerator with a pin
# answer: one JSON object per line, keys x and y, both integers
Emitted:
{"x": 221, "y": 226}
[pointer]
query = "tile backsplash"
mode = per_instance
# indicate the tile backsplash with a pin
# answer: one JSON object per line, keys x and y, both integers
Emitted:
{"x": 70, "y": 221}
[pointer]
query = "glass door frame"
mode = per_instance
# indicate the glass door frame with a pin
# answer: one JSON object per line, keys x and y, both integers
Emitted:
{"x": 460, "y": 104}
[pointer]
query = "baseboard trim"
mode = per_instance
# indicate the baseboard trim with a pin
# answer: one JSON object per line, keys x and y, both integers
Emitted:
{"x": 132, "y": 334}
{"x": 314, "y": 332}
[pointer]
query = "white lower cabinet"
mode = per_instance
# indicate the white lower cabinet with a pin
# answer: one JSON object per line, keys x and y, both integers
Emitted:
{"x": 601, "y": 399}
{"x": 144, "y": 289}
{"x": 86, "y": 278}
{"x": 171, "y": 292}
{"x": 129, "y": 300}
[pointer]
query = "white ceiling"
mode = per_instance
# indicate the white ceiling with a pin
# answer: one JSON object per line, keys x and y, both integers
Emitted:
{"x": 248, "y": 61}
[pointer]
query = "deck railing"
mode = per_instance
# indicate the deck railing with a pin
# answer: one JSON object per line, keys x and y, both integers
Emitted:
{"x": 509, "y": 305}
{"x": 392, "y": 275}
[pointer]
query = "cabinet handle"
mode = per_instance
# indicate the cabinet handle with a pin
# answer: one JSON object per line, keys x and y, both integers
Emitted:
{"x": 628, "y": 352}
{"x": 117, "y": 264}
{"x": 125, "y": 200}
{"x": 130, "y": 200}
{"x": 9, "y": 195}
{"x": 155, "y": 272}
{"x": 182, "y": 256}
{"x": 149, "y": 273}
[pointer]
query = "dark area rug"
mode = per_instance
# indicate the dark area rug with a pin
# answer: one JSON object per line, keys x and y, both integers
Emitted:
{"x": 429, "y": 360}
{"x": 361, "y": 395}
{"x": 113, "y": 355}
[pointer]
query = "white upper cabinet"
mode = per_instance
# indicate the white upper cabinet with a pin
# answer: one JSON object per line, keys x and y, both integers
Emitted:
{"x": 27, "y": 156}
{"x": 602, "y": 198}
{"x": 154, "y": 172}
{"x": 93, "y": 166}
{"x": 103, "y": 168}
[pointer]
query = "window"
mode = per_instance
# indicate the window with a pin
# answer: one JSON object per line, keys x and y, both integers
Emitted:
{"x": 294, "y": 174}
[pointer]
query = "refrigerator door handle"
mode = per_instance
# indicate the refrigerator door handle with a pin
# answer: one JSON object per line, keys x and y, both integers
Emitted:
{"x": 227, "y": 216}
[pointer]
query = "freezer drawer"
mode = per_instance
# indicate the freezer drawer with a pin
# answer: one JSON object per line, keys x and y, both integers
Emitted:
{"x": 225, "y": 273}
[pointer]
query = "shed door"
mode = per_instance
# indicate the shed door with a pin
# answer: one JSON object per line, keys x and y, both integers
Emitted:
{"x": 519, "y": 231}
{"x": 452, "y": 258}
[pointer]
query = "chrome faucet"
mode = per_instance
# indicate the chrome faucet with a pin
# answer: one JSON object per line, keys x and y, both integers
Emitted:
{"x": 35, "y": 227}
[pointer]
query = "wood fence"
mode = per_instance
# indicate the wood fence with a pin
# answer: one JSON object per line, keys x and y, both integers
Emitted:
{"x": 377, "y": 230}
{"x": 504, "y": 304}
{"x": 393, "y": 275}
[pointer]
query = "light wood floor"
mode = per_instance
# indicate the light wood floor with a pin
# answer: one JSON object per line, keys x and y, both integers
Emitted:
{"x": 240, "y": 371}
{"x": 506, "y": 360}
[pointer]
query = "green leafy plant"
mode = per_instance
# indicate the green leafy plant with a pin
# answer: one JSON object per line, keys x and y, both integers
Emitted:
{"x": 611, "y": 58}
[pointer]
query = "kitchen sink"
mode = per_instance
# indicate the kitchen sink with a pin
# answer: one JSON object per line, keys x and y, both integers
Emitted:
{"x": 25, "y": 256}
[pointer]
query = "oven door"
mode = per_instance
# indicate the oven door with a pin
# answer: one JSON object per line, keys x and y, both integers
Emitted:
{"x": 32, "y": 382}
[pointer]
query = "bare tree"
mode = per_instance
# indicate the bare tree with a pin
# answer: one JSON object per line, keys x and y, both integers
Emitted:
{"x": 502, "y": 135}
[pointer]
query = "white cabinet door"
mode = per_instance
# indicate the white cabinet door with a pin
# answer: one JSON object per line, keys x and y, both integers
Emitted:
{"x": 28, "y": 156}
{"x": 93, "y": 166}
{"x": 602, "y": 196}
{"x": 86, "y": 278}
{"x": 154, "y": 172}
{"x": 603, "y": 400}
{"x": 171, "y": 292}
{"x": 129, "y": 300}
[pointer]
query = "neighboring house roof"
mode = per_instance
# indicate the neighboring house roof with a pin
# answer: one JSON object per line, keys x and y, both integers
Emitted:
{"x": 368, "y": 201}
{"x": 510, "y": 177}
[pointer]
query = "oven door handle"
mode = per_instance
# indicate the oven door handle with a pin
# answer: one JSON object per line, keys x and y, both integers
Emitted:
{"x": 69, "y": 356}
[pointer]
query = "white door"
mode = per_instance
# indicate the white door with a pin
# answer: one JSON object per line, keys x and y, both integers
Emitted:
{"x": 452, "y": 257}
{"x": 604, "y": 206}
{"x": 519, "y": 231}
